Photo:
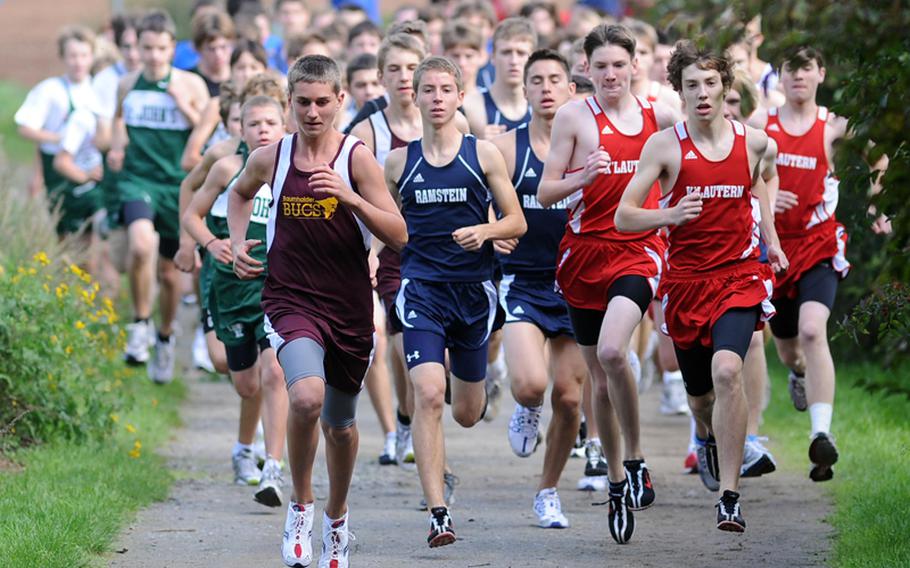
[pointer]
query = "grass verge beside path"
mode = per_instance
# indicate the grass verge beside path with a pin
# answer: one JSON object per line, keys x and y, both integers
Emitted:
{"x": 17, "y": 149}
{"x": 67, "y": 503}
{"x": 871, "y": 485}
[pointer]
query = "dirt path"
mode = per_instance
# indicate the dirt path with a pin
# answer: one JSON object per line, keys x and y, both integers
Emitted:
{"x": 209, "y": 522}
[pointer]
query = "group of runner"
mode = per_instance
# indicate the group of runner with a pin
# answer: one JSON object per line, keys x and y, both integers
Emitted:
{"x": 539, "y": 210}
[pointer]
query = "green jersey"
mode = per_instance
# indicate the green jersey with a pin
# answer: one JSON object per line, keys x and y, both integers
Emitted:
{"x": 157, "y": 131}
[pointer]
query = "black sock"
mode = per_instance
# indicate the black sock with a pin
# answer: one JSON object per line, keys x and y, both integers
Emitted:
{"x": 163, "y": 338}
{"x": 140, "y": 320}
{"x": 438, "y": 511}
{"x": 797, "y": 373}
{"x": 618, "y": 488}
{"x": 403, "y": 419}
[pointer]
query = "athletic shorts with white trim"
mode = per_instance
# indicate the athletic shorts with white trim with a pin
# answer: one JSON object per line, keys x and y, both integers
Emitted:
{"x": 458, "y": 316}
{"x": 535, "y": 301}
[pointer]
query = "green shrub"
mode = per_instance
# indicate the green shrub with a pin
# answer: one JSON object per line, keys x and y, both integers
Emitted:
{"x": 60, "y": 371}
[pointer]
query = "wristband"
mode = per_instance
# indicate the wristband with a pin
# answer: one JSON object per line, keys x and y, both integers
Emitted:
{"x": 206, "y": 247}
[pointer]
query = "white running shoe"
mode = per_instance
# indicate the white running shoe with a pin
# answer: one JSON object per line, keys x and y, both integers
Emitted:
{"x": 297, "y": 545}
{"x": 245, "y": 470}
{"x": 590, "y": 483}
{"x": 524, "y": 430}
{"x": 335, "y": 542}
{"x": 389, "y": 450}
{"x": 549, "y": 510}
{"x": 269, "y": 492}
{"x": 673, "y": 399}
{"x": 404, "y": 446}
{"x": 757, "y": 460}
{"x": 161, "y": 367}
{"x": 201, "y": 359}
{"x": 138, "y": 335}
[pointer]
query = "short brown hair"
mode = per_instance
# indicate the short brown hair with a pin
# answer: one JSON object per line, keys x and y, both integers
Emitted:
{"x": 643, "y": 31}
{"x": 211, "y": 25}
{"x": 416, "y": 28}
{"x": 515, "y": 29}
{"x": 315, "y": 69}
{"x": 686, "y": 53}
{"x": 459, "y": 32}
{"x": 467, "y": 8}
{"x": 438, "y": 63}
{"x": 799, "y": 56}
{"x": 75, "y": 33}
{"x": 405, "y": 42}
{"x": 610, "y": 34}
{"x": 269, "y": 84}
{"x": 547, "y": 55}
{"x": 259, "y": 101}
{"x": 295, "y": 44}
{"x": 157, "y": 22}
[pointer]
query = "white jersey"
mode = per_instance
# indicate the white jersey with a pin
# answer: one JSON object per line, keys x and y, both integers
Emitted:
{"x": 50, "y": 103}
{"x": 77, "y": 139}
{"x": 105, "y": 84}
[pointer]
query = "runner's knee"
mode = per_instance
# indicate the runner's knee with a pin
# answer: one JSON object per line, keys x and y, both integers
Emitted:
{"x": 305, "y": 403}
{"x": 811, "y": 332}
{"x": 465, "y": 414}
{"x": 566, "y": 398}
{"x": 727, "y": 371}
{"x": 612, "y": 358}
{"x": 246, "y": 382}
{"x": 429, "y": 395}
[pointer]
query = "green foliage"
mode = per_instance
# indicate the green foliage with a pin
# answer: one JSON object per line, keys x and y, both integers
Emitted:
{"x": 63, "y": 504}
{"x": 867, "y": 54}
{"x": 18, "y": 149}
{"x": 871, "y": 480}
{"x": 60, "y": 370}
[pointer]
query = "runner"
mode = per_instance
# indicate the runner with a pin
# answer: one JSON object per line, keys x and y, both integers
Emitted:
{"x": 645, "y": 50}
{"x": 715, "y": 292}
{"x": 43, "y": 118}
{"x": 213, "y": 38}
{"x": 362, "y": 83}
{"x": 608, "y": 278}
{"x": 384, "y": 131}
{"x": 326, "y": 199}
{"x": 535, "y": 314}
{"x": 235, "y": 304}
{"x": 815, "y": 242}
{"x": 503, "y": 106}
{"x": 157, "y": 108}
{"x": 446, "y": 300}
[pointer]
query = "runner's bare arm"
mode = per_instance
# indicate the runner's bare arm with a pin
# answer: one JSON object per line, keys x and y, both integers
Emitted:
{"x": 461, "y": 122}
{"x": 372, "y": 203}
{"x": 193, "y": 220}
{"x": 757, "y": 141}
{"x": 392, "y": 171}
{"x": 119, "y": 137}
{"x": 630, "y": 215}
{"x": 512, "y": 223}
{"x": 192, "y": 152}
{"x": 769, "y": 171}
{"x": 475, "y": 113}
{"x": 364, "y": 131}
{"x": 666, "y": 115}
{"x": 65, "y": 164}
{"x": 258, "y": 170}
{"x": 190, "y": 95}
{"x": 555, "y": 184}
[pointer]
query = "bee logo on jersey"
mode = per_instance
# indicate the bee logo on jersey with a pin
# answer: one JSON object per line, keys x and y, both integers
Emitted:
{"x": 308, "y": 208}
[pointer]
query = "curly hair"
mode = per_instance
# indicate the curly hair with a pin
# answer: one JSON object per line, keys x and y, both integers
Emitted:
{"x": 686, "y": 53}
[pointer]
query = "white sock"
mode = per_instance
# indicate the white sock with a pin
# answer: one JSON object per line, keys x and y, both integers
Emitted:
{"x": 820, "y": 414}
{"x": 692, "y": 434}
{"x": 238, "y": 447}
{"x": 670, "y": 376}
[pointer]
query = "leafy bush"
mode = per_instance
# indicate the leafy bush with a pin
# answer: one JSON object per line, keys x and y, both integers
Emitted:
{"x": 60, "y": 371}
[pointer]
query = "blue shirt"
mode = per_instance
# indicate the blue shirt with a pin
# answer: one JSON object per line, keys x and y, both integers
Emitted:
{"x": 494, "y": 116}
{"x": 436, "y": 201}
{"x": 536, "y": 252}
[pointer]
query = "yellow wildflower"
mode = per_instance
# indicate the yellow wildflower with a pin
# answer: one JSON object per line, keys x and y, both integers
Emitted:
{"x": 41, "y": 258}
{"x": 130, "y": 428}
{"x": 2, "y": 271}
{"x": 79, "y": 324}
{"x": 135, "y": 454}
{"x": 68, "y": 350}
{"x": 115, "y": 418}
{"x": 46, "y": 287}
{"x": 32, "y": 271}
{"x": 137, "y": 445}
{"x": 54, "y": 339}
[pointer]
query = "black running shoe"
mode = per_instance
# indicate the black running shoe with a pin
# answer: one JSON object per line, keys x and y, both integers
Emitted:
{"x": 622, "y": 523}
{"x": 729, "y": 516}
{"x": 641, "y": 492}
{"x": 707, "y": 464}
{"x": 595, "y": 463}
{"x": 441, "y": 530}
{"x": 823, "y": 455}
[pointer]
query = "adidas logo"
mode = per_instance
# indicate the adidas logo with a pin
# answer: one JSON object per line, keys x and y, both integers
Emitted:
{"x": 530, "y": 173}
{"x": 418, "y": 179}
{"x": 518, "y": 310}
{"x": 691, "y": 155}
{"x": 774, "y": 127}
{"x": 606, "y": 130}
{"x": 412, "y": 315}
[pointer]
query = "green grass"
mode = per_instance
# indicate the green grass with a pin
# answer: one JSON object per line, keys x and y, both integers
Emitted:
{"x": 871, "y": 485}
{"x": 66, "y": 504}
{"x": 17, "y": 149}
